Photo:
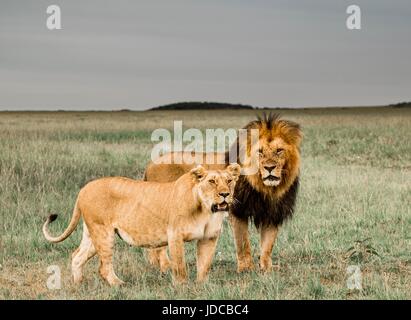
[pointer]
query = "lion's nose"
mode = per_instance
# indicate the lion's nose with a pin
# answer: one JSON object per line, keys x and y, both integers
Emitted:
{"x": 269, "y": 168}
{"x": 224, "y": 194}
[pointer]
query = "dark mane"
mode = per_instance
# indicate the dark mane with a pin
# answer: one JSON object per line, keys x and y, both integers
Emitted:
{"x": 260, "y": 208}
{"x": 263, "y": 210}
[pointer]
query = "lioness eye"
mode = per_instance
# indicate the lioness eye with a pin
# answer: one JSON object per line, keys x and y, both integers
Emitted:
{"x": 211, "y": 181}
{"x": 260, "y": 151}
{"x": 229, "y": 181}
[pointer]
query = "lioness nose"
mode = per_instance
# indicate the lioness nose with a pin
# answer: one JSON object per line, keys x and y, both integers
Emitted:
{"x": 269, "y": 168}
{"x": 224, "y": 194}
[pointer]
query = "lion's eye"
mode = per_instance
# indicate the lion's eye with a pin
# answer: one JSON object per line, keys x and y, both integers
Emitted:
{"x": 229, "y": 181}
{"x": 211, "y": 181}
{"x": 260, "y": 151}
{"x": 280, "y": 151}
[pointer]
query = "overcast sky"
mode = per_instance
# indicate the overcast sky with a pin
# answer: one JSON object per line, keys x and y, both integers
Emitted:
{"x": 139, "y": 54}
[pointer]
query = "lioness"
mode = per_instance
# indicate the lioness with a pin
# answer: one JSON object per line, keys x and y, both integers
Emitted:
{"x": 151, "y": 214}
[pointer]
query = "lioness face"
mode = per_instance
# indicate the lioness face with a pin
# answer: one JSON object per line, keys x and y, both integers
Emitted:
{"x": 215, "y": 188}
{"x": 272, "y": 156}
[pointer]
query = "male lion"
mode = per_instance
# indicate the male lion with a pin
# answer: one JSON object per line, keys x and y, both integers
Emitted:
{"x": 151, "y": 214}
{"x": 266, "y": 197}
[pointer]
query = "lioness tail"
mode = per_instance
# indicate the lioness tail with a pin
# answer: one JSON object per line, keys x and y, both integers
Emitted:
{"x": 71, "y": 227}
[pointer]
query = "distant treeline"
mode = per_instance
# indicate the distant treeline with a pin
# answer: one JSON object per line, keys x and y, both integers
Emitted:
{"x": 201, "y": 105}
{"x": 194, "y": 105}
{"x": 401, "y": 105}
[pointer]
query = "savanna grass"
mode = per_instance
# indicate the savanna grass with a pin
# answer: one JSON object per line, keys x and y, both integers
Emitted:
{"x": 355, "y": 186}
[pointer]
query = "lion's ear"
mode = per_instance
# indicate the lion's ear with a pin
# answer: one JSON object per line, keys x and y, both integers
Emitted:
{"x": 234, "y": 169}
{"x": 198, "y": 173}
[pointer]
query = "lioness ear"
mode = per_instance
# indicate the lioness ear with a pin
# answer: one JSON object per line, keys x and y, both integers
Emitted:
{"x": 234, "y": 169}
{"x": 198, "y": 173}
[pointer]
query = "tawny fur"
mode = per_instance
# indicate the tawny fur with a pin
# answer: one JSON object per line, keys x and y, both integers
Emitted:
{"x": 266, "y": 202}
{"x": 153, "y": 215}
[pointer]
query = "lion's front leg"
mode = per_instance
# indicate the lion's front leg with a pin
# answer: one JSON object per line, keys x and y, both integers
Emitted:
{"x": 268, "y": 237}
{"x": 205, "y": 253}
{"x": 178, "y": 264}
{"x": 242, "y": 244}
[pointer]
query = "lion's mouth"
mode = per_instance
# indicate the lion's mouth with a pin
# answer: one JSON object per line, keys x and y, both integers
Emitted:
{"x": 271, "y": 181}
{"x": 218, "y": 207}
{"x": 272, "y": 178}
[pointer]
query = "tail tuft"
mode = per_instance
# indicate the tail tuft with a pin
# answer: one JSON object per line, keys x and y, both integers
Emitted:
{"x": 70, "y": 228}
{"x": 52, "y": 217}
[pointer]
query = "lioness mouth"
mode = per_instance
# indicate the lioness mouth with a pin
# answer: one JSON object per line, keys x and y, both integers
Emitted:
{"x": 219, "y": 207}
{"x": 272, "y": 178}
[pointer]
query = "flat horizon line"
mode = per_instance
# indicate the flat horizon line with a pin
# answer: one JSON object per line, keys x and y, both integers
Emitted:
{"x": 396, "y": 105}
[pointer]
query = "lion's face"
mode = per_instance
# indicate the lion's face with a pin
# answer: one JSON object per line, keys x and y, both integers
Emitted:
{"x": 215, "y": 188}
{"x": 275, "y": 159}
{"x": 272, "y": 157}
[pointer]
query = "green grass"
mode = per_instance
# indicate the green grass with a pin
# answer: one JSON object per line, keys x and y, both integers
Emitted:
{"x": 355, "y": 185}
{"x": 106, "y": 136}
